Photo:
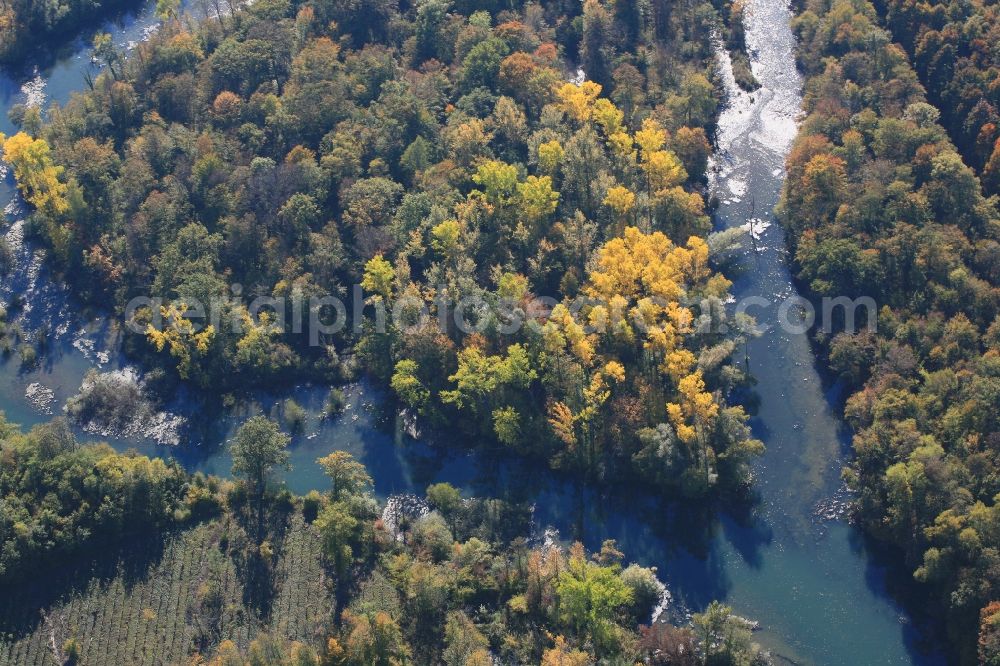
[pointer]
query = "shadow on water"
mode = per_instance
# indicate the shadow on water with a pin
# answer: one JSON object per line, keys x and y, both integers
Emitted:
{"x": 822, "y": 594}
{"x": 45, "y": 53}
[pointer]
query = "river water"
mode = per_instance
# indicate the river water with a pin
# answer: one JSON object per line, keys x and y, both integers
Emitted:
{"x": 792, "y": 562}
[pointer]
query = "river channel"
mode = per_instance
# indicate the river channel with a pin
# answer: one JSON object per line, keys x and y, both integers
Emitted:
{"x": 793, "y": 563}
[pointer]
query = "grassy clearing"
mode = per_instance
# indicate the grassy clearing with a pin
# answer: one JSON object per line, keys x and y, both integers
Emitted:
{"x": 163, "y": 602}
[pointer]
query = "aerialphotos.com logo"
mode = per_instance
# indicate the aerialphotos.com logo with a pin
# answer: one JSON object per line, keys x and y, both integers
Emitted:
{"x": 323, "y": 316}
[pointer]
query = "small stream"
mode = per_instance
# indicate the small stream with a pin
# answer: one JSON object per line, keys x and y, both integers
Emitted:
{"x": 793, "y": 563}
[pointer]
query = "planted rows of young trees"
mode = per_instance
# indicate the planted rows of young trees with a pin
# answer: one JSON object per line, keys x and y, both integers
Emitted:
{"x": 254, "y": 575}
{"x": 879, "y": 203}
{"x": 432, "y": 153}
{"x": 189, "y": 597}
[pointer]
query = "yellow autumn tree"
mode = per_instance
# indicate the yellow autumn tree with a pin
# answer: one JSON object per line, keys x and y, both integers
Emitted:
{"x": 227, "y": 654}
{"x": 693, "y": 416}
{"x": 498, "y": 180}
{"x": 577, "y": 101}
{"x": 637, "y": 282}
{"x": 563, "y": 332}
{"x": 177, "y": 334}
{"x": 260, "y": 347}
{"x": 695, "y": 410}
{"x": 378, "y": 277}
{"x": 608, "y": 116}
{"x": 595, "y": 395}
{"x": 550, "y": 156}
{"x": 538, "y": 199}
{"x": 637, "y": 285}
{"x": 622, "y": 146}
{"x": 37, "y": 175}
{"x": 663, "y": 171}
{"x": 621, "y": 201}
{"x": 652, "y": 137}
{"x": 445, "y": 237}
{"x": 562, "y": 655}
{"x": 577, "y": 430}
{"x": 562, "y": 421}
{"x": 480, "y": 657}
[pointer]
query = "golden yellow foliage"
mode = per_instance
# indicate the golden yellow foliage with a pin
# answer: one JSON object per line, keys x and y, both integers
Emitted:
{"x": 538, "y": 198}
{"x": 678, "y": 363}
{"x": 550, "y": 155}
{"x": 638, "y": 282}
{"x": 622, "y": 146}
{"x": 651, "y": 138}
{"x": 638, "y": 264}
{"x": 620, "y": 199}
{"x": 334, "y": 650}
{"x": 562, "y": 421}
{"x": 563, "y": 332}
{"x": 186, "y": 42}
{"x": 226, "y": 654}
{"x": 37, "y": 176}
{"x": 697, "y": 408}
{"x": 378, "y": 277}
{"x": 608, "y": 116}
{"x": 615, "y": 370}
{"x": 178, "y": 334}
{"x": 445, "y": 237}
{"x": 562, "y": 655}
{"x": 663, "y": 170}
{"x": 595, "y": 395}
{"x": 577, "y": 101}
{"x": 7, "y": 21}
{"x": 480, "y": 657}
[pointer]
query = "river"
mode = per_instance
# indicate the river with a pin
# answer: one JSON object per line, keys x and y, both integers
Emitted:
{"x": 794, "y": 564}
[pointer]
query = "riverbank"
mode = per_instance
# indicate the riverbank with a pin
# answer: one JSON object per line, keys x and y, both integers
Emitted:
{"x": 35, "y": 33}
{"x": 813, "y": 583}
{"x": 819, "y": 594}
{"x": 923, "y": 371}
{"x": 173, "y": 567}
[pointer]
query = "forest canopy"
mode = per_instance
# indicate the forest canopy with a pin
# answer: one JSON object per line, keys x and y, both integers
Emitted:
{"x": 879, "y": 203}
{"x": 332, "y": 578}
{"x": 954, "y": 49}
{"x": 433, "y": 154}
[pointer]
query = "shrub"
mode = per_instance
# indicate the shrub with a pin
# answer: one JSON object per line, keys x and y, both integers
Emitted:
{"x": 335, "y": 403}
{"x": 431, "y": 534}
{"x": 29, "y": 357}
{"x": 311, "y": 504}
{"x": 295, "y": 416}
{"x": 646, "y": 590}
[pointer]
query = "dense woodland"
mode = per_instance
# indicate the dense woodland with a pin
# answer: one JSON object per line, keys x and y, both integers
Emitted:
{"x": 431, "y": 153}
{"x": 446, "y": 151}
{"x": 955, "y": 49}
{"x": 245, "y": 573}
{"x": 26, "y": 23}
{"x": 880, "y": 204}
{"x": 59, "y": 499}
